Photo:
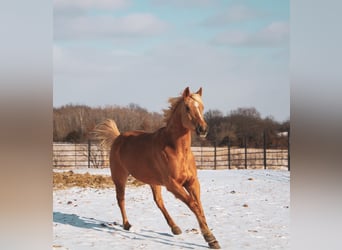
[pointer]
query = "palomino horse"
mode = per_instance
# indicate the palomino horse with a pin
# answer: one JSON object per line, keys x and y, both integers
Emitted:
{"x": 162, "y": 158}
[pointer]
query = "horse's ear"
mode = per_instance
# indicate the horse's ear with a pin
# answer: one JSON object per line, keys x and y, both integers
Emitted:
{"x": 199, "y": 92}
{"x": 186, "y": 92}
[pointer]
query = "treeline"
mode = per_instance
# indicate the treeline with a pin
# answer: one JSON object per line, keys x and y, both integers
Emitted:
{"x": 72, "y": 123}
{"x": 246, "y": 126}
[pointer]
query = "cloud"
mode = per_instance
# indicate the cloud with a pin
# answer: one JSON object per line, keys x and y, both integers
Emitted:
{"x": 237, "y": 13}
{"x": 274, "y": 35}
{"x": 99, "y": 27}
{"x": 76, "y": 20}
{"x": 90, "y": 4}
{"x": 89, "y": 63}
{"x": 186, "y": 3}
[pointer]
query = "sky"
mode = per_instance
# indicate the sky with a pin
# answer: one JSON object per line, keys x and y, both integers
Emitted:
{"x": 117, "y": 52}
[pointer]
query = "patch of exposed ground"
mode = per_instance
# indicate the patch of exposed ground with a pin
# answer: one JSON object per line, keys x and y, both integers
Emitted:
{"x": 64, "y": 180}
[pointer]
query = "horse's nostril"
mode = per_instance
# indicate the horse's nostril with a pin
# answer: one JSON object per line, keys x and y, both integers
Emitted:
{"x": 202, "y": 131}
{"x": 199, "y": 129}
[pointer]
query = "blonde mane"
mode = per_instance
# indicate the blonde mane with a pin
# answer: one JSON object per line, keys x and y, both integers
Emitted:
{"x": 174, "y": 101}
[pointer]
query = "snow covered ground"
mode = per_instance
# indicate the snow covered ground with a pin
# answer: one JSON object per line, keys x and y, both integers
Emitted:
{"x": 246, "y": 209}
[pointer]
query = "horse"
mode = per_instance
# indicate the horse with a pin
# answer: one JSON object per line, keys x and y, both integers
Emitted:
{"x": 161, "y": 158}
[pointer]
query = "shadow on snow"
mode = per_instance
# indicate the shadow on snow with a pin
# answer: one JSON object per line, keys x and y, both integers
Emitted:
{"x": 95, "y": 224}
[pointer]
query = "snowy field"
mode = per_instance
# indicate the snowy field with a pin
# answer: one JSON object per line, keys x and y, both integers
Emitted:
{"x": 246, "y": 209}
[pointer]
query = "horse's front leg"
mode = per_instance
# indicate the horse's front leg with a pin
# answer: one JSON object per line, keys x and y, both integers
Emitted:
{"x": 193, "y": 188}
{"x": 195, "y": 206}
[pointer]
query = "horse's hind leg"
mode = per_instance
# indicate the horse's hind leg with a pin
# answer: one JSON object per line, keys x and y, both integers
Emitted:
{"x": 120, "y": 185}
{"x": 156, "y": 189}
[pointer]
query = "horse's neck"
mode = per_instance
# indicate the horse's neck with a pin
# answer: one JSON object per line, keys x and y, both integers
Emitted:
{"x": 178, "y": 135}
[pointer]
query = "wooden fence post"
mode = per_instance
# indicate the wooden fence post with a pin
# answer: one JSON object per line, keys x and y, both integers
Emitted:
{"x": 201, "y": 154}
{"x": 228, "y": 144}
{"x": 245, "y": 152}
{"x": 215, "y": 154}
{"x": 288, "y": 150}
{"x": 75, "y": 154}
{"x": 265, "y": 149}
{"x": 89, "y": 152}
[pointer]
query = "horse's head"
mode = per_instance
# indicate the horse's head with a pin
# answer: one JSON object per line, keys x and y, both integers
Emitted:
{"x": 192, "y": 112}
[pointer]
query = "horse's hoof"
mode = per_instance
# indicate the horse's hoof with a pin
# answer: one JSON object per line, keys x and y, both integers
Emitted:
{"x": 127, "y": 226}
{"x": 214, "y": 245}
{"x": 176, "y": 230}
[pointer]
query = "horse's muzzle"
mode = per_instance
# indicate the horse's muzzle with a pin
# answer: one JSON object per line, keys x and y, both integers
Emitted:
{"x": 202, "y": 131}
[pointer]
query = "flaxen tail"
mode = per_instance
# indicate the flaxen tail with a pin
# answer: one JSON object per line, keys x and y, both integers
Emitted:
{"x": 106, "y": 132}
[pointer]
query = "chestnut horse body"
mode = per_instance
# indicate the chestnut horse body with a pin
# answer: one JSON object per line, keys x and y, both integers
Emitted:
{"x": 161, "y": 158}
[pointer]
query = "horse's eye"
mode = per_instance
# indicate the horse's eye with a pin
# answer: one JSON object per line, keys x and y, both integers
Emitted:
{"x": 187, "y": 108}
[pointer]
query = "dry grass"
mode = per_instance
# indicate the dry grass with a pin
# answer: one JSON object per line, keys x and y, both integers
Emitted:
{"x": 69, "y": 179}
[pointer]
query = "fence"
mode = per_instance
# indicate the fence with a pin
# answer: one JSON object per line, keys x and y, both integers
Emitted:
{"x": 91, "y": 156}
{"x": 79, "y": 155}
{"x": 241, "y": 158}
